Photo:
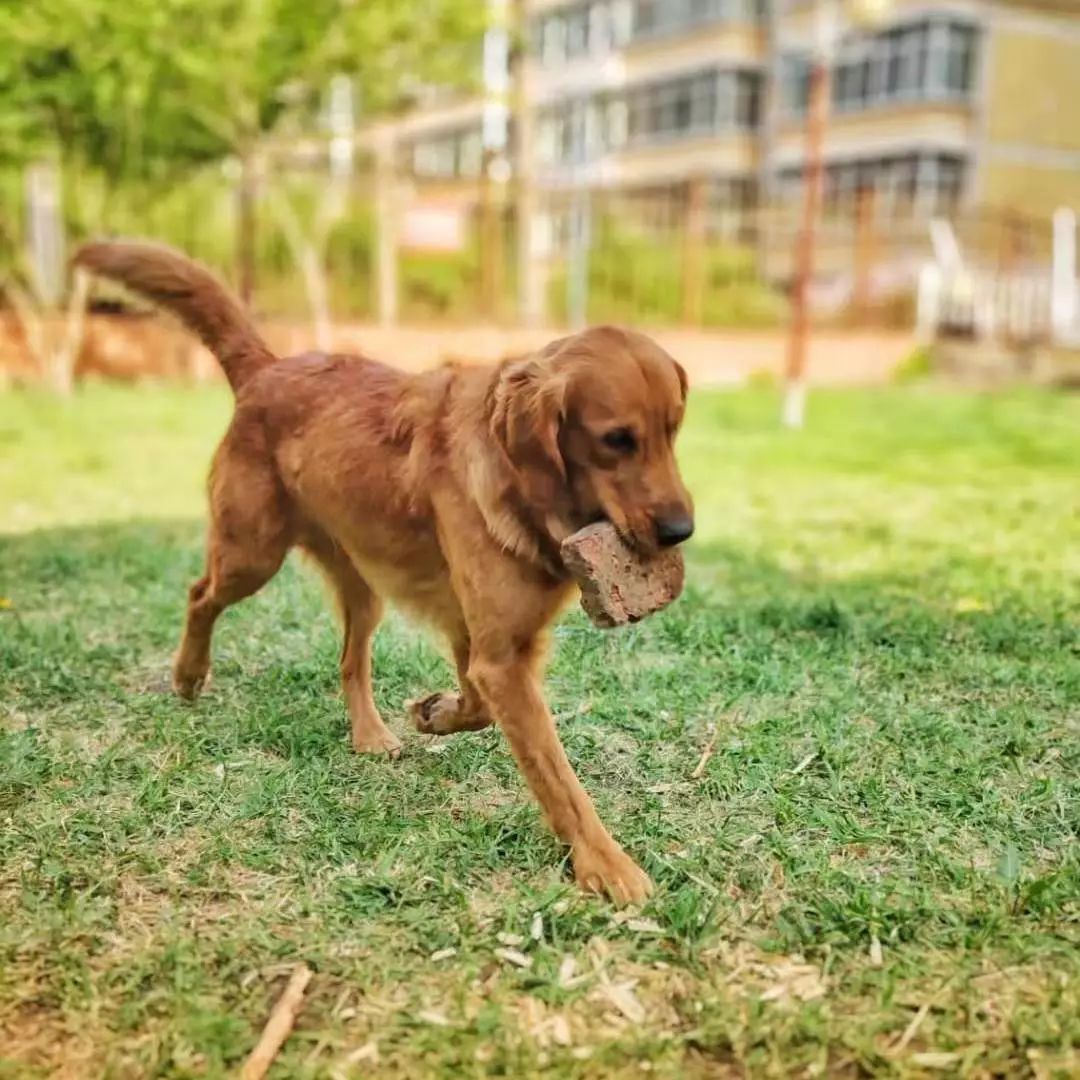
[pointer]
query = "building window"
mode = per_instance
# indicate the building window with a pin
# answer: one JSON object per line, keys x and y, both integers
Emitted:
{"x": 573, "y": 132}
{"x": 654, "y": 18}
{"x": 586, "y": 28}
{"x": 448, "y": 155}
{"x": 920, "y": 183}
{"x": 930, "y": 60}
{"x": 553, "y": 41}
{"x": 959, "y": 58}
{"x": 747, "y": 99}
{"x": 699, "y": 104}
{"x": 730, "y": 200}
{"x": 594, "y": 27}
{"x": 576, "y": 21}
{"x": 795, "y": 84}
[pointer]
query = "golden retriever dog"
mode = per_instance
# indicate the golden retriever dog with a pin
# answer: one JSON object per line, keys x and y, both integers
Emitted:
{"x": 447, "y": 493}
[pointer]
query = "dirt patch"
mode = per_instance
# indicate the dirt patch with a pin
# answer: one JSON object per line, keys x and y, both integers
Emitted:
{"x": 140, "y": 346}
{"x": 41, "y": 1041}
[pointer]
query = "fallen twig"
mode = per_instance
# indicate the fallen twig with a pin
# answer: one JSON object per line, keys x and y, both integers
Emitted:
{"x": 912, "y": 1028}
{"x": 802, "y": 764}
{"x": 707, "y": 753}
{"x": 916, "y": 1022}
{"x": 278, "y": 1026}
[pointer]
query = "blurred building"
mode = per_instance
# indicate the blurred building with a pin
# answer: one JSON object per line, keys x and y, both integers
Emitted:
{"x": 684, "y": 121}
{"x": 946, "y": 103}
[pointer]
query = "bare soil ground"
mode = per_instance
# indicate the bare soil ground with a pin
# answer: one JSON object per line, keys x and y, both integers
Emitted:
{"x": 132, "y": 347}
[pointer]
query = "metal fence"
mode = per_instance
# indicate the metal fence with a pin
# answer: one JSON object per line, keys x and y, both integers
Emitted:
{"x": 697, "y": 253}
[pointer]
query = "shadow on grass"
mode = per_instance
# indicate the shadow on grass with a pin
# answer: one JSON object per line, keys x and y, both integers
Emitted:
{"x": 98, "y": 610}
{"x": 872, "y": 742}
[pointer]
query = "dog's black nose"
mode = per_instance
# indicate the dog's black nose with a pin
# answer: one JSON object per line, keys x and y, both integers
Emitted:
{"x": 674, "y": 530}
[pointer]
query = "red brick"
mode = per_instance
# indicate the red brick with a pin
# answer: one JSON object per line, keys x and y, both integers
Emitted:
{"x": 617, "y": 585}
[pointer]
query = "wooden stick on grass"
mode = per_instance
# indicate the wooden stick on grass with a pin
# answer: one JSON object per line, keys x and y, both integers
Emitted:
{"x": 699, "y": 768}
{"x": 278, "y": 1027}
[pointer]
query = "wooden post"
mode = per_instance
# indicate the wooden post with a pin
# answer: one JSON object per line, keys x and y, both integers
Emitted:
{"x": 491, "y": 239}
{"x": 865, "y": 253}
{"x": 805, "y": 250}
{"x": 694, "y": 223}
{"x": 530, "y": 299}
{"x": 1065, "y": 295}
{"x": 1008, "y": 242}
{"x": 386, "y": 243}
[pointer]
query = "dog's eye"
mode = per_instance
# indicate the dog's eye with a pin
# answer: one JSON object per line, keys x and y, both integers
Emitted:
{"x": 621, "y": 439}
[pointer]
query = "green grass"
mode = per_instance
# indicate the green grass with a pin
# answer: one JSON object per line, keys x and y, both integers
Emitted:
{"x": 877, "y": 871}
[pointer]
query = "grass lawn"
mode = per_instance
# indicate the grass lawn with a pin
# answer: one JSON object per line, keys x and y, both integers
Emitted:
{"x": 876, "y": 872}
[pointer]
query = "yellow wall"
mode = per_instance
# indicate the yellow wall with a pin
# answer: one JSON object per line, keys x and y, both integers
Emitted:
{"x": 1034, "y": 190}
{"x": 880, "y": 131}
{"x": 717, "y": 44}
{"x": 798, "y": 22}
{"x": 734, "y": 155}
{"x": 1034, "y": 94}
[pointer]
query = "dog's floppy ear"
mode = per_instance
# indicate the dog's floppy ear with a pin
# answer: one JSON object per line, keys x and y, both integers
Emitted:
{"x": 684, "y": 382}
{"x": 530, "y": 400}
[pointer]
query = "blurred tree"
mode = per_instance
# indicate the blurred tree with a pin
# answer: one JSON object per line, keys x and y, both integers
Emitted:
{"x": 144, "y": 87}
{"x": 144, "y": 90}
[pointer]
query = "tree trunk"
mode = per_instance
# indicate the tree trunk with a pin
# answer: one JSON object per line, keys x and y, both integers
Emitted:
{"x": 246, "y": 226}
{"x": 308, "y": 252}
{"x": 45, "y": 230}
{"x": 386, "y": 244}
{"x": 53, "y": 345}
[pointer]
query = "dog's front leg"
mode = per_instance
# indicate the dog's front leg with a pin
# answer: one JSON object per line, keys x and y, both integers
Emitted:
{"x": 508, "y": 606}
{"x": 510, "y": 685}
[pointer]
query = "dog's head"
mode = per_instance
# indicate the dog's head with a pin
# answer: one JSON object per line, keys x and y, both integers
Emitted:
{"x": 589, "y": 427}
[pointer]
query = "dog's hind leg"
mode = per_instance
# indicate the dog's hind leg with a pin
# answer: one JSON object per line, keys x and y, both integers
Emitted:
{"x": 250, "y": 534}
{"x": 361, "y": 610}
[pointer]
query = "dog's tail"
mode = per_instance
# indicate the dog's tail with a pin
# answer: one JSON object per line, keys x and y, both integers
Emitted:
{"x": 191, "y": 292}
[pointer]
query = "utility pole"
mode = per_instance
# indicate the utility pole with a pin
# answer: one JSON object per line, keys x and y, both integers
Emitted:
{"x": 828, "y": 15}
{"x": 794, "y": 414}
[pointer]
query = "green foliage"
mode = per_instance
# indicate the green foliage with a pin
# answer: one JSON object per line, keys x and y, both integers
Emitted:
{"x": 883, "y": 841}
{"x": 436, "y": 284}
{"x": 915, "y": 367}
{"x": 144, "y": 100}
{"x": 634, "y": 277}
{"x": 148, "y": 89}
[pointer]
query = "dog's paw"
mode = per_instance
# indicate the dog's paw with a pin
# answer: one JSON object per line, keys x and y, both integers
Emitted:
{"x": 189, "y": 685}
{"x": 611, "y": 871}
{"x": 444, "y": 714}
{"x": 436, "y": 714}
{"x": 377, "y": 742}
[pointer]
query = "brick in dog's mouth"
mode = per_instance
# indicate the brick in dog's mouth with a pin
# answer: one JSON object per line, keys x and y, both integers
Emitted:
{"x": 619, "y": 585}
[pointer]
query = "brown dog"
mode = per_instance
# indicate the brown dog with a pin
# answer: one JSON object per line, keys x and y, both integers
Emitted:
{"x": 447, "y": 493}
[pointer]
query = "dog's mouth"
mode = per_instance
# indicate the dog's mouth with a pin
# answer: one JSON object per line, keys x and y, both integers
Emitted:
{"x": 627, "y": 535}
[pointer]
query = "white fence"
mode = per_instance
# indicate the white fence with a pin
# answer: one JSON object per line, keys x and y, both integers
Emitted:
{"x": 1040, "y": 305}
